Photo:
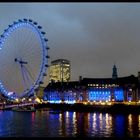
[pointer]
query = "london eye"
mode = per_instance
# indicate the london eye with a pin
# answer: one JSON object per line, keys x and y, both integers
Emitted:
{"x": 23, "y": 58}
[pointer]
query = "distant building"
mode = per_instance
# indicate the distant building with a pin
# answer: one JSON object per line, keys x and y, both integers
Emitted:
{"x": 95, "y": 90}
{"x": 60, "y": 70}
{"x": 114, "y": 72}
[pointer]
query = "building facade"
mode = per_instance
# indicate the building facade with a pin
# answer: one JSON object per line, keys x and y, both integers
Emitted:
{"x": 95, "y": 90}
{"x": 60, "y": 70}
{"x": 122, "y": 89}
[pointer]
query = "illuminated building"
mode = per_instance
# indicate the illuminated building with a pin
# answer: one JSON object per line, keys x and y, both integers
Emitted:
{"x": 94, "y": 89}
{"x": 60, "y": 70}
{"x": 115, "y": 89}
{"x": 58, "y": 92}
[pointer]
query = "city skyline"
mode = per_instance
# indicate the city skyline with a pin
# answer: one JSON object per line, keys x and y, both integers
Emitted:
{"x": 93, "y": 36}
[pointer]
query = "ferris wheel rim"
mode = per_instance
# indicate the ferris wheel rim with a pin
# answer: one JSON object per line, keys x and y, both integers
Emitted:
{"x": 44, "y": 48}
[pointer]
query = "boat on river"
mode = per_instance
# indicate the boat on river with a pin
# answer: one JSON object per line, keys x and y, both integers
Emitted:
{"x": 24, "y": 108}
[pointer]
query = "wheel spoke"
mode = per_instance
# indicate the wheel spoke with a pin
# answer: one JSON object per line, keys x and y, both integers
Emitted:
{"x": 22, "y": 57}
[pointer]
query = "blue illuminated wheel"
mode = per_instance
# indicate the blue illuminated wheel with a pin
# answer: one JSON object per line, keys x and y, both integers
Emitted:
{"x": 23, "y": 58}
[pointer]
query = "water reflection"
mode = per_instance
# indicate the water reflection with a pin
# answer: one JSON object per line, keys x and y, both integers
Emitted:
{"x": 130, "y": 124}
{"x": 33, "y": 117}
{"x": 134, "y": 125}
{"x": 62, "y": 128}
{"x": 100, "y": 125}
{"x": 74, "y": 122}
{"x": 68, "y": 124}
{"x": 119, "y": 125}
{"x": 108, "y": 124}
{"x": 85, "y": 124}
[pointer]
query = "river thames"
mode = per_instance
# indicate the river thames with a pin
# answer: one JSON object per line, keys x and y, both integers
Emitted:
{"x": 44, "y": 123}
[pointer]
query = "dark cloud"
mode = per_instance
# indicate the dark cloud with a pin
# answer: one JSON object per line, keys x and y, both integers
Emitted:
{"x": 93, "y": 36}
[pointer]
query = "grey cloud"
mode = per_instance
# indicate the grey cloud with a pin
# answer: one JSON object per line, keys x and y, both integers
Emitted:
{"x": 93, "y": 36}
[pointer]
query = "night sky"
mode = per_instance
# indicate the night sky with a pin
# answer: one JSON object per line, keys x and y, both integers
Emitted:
{"x": 93, "y": 36}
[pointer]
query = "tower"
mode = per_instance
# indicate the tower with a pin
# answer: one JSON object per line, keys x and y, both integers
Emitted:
{"x": 114, "y": 72}
{"x": 60, "y": 70}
